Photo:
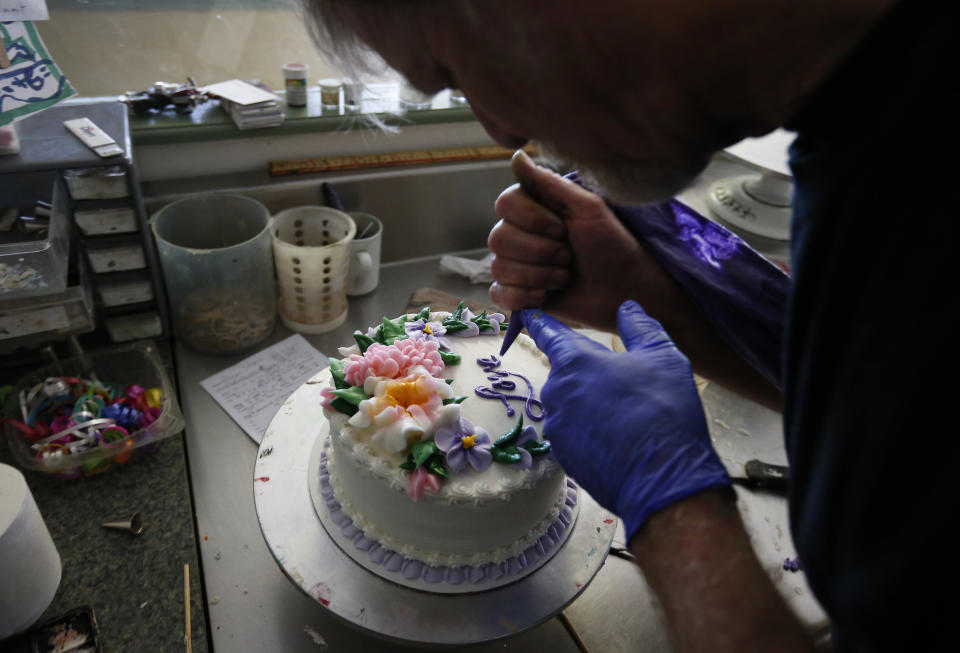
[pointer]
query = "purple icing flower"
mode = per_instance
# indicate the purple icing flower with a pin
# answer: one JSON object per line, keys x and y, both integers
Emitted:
{"x": 473, "y": 329}
{"x": 429, "y": 330}
{"x": 528, "y": 434}
{"x": 465, "y": 444}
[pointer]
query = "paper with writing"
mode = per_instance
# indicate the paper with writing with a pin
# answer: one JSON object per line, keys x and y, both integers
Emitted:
{"x": 254, "y": 389}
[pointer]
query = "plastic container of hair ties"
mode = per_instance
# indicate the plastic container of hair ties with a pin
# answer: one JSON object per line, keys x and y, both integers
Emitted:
{"x": 90, "y": 413}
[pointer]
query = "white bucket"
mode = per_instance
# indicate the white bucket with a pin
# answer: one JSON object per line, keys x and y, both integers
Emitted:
{"x": 311, "y": 256}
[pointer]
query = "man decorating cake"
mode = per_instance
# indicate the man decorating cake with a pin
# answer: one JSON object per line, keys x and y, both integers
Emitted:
{"x": 637, "y": 96}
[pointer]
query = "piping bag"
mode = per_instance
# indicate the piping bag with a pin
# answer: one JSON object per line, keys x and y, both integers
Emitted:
{"x": 741, "y": 293}
{"x": 529, "y": 187}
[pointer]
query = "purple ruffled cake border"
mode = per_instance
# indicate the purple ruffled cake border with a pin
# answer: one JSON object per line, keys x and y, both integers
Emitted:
{"x": 412, "y": 569}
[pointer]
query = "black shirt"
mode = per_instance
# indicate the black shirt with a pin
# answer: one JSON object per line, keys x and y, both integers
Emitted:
{"x": 871, "y": 352}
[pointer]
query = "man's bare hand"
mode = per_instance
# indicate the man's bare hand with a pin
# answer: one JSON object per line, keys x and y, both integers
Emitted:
{"x": 560, "y": 247}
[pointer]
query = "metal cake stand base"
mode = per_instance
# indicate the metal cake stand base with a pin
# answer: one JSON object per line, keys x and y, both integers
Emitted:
{"x": 317, "y": 565}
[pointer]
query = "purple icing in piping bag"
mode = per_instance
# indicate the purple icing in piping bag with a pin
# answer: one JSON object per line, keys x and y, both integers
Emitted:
{"x": 513, "y": 330}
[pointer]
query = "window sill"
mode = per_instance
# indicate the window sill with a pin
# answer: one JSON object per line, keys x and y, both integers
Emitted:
{"x": 208, "y": 122}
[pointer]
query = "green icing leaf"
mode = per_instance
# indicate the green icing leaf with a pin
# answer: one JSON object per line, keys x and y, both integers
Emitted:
{"x": 457, "y": 313}
{"x": 409, "y": 464}
{"x": 363, "y": 341}
{"x": 344, "y": 407}
{"x": 453, "y": 326}
{"x": 449, "y": 381}
{"x": 336, "y": 369}
{"x": 353, "y": 395}
{"x": 435, "y": 466}
{"x": 537, "y": 447}
{"x": 422, "y": 450}
{"x": 390, "y": 331}
{"x": 449, "y": 358}
{"x": 424, "y": 314}
{"x": 511, "y": 435}
{"x": 506, "y": 455}
{"x": 459, "y": 399}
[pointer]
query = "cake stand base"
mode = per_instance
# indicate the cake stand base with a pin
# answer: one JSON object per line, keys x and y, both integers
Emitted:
{"x": 318, "y": 567}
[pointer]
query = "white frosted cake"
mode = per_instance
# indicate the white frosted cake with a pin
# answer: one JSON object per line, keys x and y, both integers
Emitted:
{"x": 437, "y": 469}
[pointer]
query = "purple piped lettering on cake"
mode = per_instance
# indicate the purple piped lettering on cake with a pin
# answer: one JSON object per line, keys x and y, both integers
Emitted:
{"x": 500, "y": 389}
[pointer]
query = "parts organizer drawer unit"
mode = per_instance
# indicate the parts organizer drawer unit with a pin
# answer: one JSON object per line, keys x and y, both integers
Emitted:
{"x": 33, "y": 263}
{"x": 103, "y": 207}
{"x": 124, "y": 289}
{"x": 103, "y": 221}
{"x": 116, "y": 258}
{"x": 133, "y": 327}
{"x": 97, "y": 183}
{"x": 32, "y": 321}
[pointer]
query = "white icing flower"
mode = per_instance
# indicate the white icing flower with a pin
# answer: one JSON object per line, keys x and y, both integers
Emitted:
{"x": 403, "y": 411}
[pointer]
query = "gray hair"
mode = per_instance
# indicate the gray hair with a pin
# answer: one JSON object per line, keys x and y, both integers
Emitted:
{"x": 339, "y": 43}
{"x": 335, "y": 40}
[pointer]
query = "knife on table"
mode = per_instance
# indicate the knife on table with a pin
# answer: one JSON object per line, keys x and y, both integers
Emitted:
{"x": 764, "y": 476}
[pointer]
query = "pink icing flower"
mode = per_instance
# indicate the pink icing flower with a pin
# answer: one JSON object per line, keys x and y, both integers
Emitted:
{"x": 394, "y": 361}
{"x": 328, "y": 397}
{"x": 420, "y": 480}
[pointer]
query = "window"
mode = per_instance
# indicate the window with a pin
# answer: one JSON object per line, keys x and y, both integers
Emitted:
{"x": 107, "y": 47}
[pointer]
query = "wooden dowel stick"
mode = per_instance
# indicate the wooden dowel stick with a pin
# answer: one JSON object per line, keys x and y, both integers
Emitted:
{"x": 186, "y": 607}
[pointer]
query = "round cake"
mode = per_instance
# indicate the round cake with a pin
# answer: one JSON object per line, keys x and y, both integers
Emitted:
{"x": 437, "y": 469}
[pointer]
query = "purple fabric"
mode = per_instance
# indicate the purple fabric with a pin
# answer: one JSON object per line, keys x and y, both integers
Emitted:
{"x": 742, "y": 293}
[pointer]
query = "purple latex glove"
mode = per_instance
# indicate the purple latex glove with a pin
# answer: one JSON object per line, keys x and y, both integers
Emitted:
{"x": 629, "y": 427}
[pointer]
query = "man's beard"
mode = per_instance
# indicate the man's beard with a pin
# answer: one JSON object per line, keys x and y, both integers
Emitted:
{"x": 627, "y": 182}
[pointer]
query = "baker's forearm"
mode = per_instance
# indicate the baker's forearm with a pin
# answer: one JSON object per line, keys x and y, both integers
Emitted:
{"x": 696, "y": 556}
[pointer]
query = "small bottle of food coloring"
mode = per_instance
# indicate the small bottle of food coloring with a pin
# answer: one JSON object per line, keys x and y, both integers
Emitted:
{"x": 295, "y": 83}
{"x": 330, "y": 92}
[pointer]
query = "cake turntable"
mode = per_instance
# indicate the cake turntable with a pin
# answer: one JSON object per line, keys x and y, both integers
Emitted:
{"x": 313, "y": 560}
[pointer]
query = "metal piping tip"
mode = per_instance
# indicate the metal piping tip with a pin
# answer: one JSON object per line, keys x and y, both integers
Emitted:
{"x": 134, "y": 525}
